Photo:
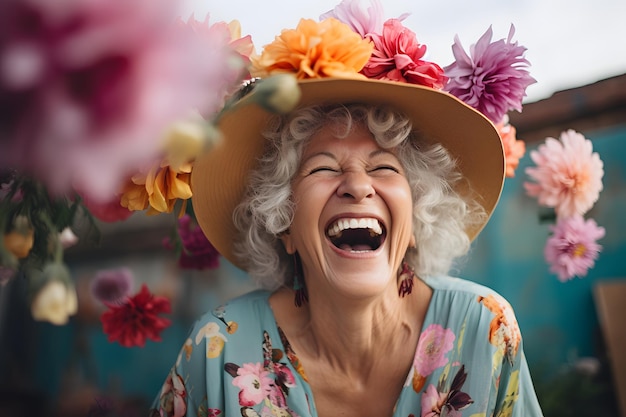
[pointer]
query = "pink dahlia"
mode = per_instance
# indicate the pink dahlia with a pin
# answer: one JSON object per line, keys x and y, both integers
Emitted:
{"x": 397, "y": 56}
{"x": 568, "y": 174}
{"x": 363, "y": 22}
{"x": 493, "y": 78}
{"x": 572, "y": 249}
{"x": 88, "y": 87}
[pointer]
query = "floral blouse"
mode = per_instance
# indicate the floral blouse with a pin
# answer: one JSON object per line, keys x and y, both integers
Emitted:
{"x": 468, "y": 362}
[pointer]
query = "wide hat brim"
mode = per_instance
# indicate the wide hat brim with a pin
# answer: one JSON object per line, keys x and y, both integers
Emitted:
{"x": 219, "y": 177}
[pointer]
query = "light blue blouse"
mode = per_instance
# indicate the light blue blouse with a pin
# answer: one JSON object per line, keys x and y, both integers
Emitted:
{"x": 469, "y": 361}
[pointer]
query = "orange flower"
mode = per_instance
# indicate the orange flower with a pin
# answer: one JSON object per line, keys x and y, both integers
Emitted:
{"x": 504, "y": 331}
{"x": 328, "y": 48}
{"x": 159, "y": 190}
{"x": 513, "y": 149}
{"x": 18, "y": 243}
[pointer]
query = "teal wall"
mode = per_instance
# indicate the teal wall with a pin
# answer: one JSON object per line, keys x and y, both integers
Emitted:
{"x": 558, "y": 320}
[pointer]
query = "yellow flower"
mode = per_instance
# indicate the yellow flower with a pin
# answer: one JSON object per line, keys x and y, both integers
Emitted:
{"x": 159, "y": 189}
{"x": 328, "y": 48}
{"x": 56, "y": 300}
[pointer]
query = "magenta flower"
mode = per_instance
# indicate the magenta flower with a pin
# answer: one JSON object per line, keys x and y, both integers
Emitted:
{"x": 432, "y": 347}
{"x": 197, "y": 252}
{"x": 363, "y": 22}
{"x": 88, "y": 87}
{"x": 493, "y": 78}
{"x": 112, "y": 285}
{"x": 572, "y": 249}
{"x": 568, "y": 174}
{"x": 254, "y": 382}
{"x": 397, "y": 56}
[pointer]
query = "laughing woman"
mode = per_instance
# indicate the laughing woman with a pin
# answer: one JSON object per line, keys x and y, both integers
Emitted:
{"x": 350, "y": 211}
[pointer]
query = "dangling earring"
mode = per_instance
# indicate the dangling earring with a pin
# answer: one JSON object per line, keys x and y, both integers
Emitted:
{"x": 406, "y": 279}
{"x": 302, "y": 296}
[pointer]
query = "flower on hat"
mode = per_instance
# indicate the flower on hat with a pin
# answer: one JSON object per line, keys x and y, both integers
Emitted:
{"x": 514, "y": 149}
{"x": 363, "y": 22}
{"x": 494, "y": 76}
{"x": 313, "y": 49}
{"x": 136, "y": 319}
{"x": 159, "y": 189}
{"x": 567, "y": 175}
{"x": 572, "y": 249}
{"x": 398, "y": 56}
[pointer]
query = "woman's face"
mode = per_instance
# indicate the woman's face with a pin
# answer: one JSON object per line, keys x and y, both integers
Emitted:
{"x": 353, "y": 216}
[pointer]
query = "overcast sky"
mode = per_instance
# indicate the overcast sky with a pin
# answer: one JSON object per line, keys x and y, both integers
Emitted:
{"x": 570, "y": 42}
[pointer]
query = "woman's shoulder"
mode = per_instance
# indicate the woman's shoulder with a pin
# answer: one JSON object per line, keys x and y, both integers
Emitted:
{"x": 251, "y": 306}
{"x": 459, "y": 287}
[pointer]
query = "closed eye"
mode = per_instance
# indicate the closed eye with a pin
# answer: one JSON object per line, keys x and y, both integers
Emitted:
{"x": 321, "y": 169}
{"x": 385, "y": 168}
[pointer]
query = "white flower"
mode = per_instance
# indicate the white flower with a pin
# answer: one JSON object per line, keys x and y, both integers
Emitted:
{"x": 55, "y": 302}
{"x": 67, "y": 238}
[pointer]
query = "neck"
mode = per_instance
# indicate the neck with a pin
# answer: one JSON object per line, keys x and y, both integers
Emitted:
{"x": 347, "y": 333}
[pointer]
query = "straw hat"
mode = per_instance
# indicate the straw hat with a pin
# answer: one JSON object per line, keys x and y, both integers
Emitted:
{"x": 219, "y": 177}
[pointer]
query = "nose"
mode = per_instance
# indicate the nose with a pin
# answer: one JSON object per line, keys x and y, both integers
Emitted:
{"x": 356, "y": 185}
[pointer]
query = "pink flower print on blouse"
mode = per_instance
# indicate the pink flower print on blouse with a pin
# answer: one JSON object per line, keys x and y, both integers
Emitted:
{"x": 254, "y": 383}
{"x": 433, "y": 345}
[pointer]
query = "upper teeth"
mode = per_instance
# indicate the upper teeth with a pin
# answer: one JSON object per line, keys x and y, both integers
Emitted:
{"x": 365, "y": 223}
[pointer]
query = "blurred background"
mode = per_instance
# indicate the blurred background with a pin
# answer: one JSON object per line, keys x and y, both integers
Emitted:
{"x": 571, "y": 330}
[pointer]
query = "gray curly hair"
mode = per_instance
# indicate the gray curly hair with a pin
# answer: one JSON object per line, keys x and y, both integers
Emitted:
{"x": 440, "y": 215}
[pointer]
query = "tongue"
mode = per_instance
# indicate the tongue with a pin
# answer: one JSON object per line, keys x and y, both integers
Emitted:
{"x": 358, "y": 247}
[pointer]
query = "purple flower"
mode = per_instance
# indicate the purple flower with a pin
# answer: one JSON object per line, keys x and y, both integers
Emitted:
{"x": 88, "y": 87}
{"x": 493, "y": 78}
{"x": 572, "y": 249}
{"x": 112, "y": 285}
{"x": 197, "y": 252}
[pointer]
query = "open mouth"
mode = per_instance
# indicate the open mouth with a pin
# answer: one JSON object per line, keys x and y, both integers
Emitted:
{"x": 356, "y": 235}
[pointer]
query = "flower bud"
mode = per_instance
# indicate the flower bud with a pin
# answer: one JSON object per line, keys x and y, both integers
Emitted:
{"x": 278, "y": 94}
{"x": 186, "y": 139}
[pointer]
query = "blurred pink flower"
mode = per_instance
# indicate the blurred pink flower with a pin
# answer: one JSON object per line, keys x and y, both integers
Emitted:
{"x": 397, "y": 56}
{"x": 572, "y": 249}
{"x": 112, "y": 285}
{"x": 87, "y": 87}
{"x": 493, "y": 78}
{"x": 568, "y": 174}
{"x": 363, "y": 22}
{"x": 197, "y": 252}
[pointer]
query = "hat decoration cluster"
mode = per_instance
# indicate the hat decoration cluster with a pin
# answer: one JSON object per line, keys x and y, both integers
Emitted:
{"x": 105, "y": 118}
